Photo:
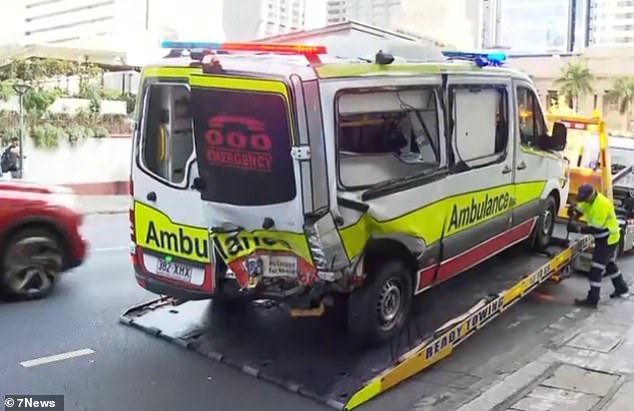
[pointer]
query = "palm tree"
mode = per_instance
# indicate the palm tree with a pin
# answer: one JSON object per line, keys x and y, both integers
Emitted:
{"x": 574, "y": 82}
{"x": 623, "y": 91}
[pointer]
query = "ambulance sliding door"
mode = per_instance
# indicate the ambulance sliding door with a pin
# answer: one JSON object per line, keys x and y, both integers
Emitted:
{"x": 479, "y": 191}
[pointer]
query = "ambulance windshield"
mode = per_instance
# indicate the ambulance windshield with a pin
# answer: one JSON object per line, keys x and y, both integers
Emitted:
{"x": 243, "y": 146}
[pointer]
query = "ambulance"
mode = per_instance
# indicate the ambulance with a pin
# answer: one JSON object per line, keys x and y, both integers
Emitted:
{"x": 279, "y": 172}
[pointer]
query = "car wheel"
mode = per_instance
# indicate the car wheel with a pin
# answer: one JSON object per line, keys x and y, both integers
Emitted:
{"x": 31, "y": 263}
{"x": 543, "y": 231}
{"x": 379, "y": 309}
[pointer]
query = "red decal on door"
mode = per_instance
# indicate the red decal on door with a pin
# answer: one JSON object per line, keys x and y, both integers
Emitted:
{"x": 239, "y": 142}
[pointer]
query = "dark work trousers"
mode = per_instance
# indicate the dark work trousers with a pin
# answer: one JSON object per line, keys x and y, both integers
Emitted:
{"x": 603, "y": 260}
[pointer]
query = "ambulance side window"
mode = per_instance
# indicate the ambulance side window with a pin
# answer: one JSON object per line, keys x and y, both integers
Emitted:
{"x": 167, "y": 138}
{"x": 480, "y": 125}
{"x": 530, "y": 118}
{"x": 386, "y": 135}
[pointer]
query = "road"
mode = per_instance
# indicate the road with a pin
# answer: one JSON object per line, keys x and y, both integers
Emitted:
{"x": 126, "y": 369}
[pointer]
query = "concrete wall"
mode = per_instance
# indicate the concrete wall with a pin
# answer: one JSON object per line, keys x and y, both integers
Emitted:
{"x": 93, "y": 166}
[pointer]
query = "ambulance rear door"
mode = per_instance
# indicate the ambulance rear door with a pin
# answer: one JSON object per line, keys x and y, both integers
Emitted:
{"x": 256, "y": 166}
{"x": 169, "y": 225}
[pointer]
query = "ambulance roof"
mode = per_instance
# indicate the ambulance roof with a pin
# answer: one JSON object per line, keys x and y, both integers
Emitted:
{"x": 332, "y": 67}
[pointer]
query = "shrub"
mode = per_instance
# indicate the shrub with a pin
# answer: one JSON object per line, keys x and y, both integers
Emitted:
{"x": 100, "y": 132}
{"x": 77, "y": 133}
{"x": 47, "y": 135}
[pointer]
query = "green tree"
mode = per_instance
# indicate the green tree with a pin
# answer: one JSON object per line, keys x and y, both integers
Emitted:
{"x": 34, "y": 70}
{"x": 575, "y": 81}
{"x": 623, "y": 90}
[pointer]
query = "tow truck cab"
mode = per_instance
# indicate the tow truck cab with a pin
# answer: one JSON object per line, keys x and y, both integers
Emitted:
{"x": 309, "y": 177}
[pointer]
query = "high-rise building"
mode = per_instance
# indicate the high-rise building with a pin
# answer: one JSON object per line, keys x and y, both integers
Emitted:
{"x": 381, "y": 13}
{"x": 489, "y": 25}
{"x": 447, "y": 21}
{"x": 64, "y": 21}
{"x": 611, "y": 22}
{"x": 535, "y": 26}
{"x": 251, "y": 19}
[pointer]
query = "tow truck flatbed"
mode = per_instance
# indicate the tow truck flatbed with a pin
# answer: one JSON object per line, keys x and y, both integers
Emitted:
{"x": 312, "y": 357}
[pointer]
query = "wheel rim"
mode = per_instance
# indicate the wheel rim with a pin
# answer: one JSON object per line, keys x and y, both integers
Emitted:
{"x": 390, "y": 303}
{"x": 548, "y": 221}
{"x": 31, "y": 266}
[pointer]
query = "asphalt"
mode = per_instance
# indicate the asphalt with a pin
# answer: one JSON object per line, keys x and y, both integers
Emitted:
{"x": 130, "y": 370}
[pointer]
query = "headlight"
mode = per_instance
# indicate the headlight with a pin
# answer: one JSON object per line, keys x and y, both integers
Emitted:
{"x": 316, "y": 248}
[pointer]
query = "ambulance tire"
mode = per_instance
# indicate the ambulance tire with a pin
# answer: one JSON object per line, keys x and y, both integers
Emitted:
{"x": 381, "y": 307}
{"x": 543, "y": 231}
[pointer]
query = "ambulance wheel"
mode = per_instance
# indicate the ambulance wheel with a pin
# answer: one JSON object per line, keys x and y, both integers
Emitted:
{"x": 543, "y": 231}
{"x": 380, "y": 308}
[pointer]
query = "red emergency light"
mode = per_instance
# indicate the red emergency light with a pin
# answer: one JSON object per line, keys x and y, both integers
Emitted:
{"x": 275, "y": 48}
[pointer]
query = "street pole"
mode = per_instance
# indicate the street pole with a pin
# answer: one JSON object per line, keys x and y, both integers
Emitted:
{"x": 21, "y": 89}
{"x": 21, "y": 170}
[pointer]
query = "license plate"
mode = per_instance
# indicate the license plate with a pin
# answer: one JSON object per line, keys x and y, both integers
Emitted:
{"x": 280, "y": 266}
{"x": 174, "y": 270}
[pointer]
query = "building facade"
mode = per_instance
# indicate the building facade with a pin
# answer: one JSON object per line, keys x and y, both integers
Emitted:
{"x": 252, "y": 19}
{"x": 449, "y": 21}
{"x": 605, "y": 63}
{"x": 535, "y": 26}
{"x": 64, "y": 21}
{"x": 611, "y": 22}
{"x": 381, "y": 13}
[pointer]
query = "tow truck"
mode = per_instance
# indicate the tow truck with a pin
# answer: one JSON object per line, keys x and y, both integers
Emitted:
{"x": 314, "y": 356}
{"x": 589, "y": 161}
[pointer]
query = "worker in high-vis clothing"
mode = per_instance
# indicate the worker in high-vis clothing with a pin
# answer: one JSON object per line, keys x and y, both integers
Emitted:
{"x": 603, "y": 225}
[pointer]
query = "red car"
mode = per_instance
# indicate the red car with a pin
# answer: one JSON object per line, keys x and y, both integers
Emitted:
{"x": 39, "y": 237}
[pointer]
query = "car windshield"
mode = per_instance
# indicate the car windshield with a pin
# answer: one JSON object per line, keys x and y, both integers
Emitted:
{"x": 621, "y": 158}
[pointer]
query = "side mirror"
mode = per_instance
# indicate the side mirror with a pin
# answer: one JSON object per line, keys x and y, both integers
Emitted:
{"x": 557, "y": 141}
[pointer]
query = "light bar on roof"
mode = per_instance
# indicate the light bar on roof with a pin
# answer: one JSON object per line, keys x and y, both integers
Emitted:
{"x": 494, "y": 59}
{"x": 261, "y": 47}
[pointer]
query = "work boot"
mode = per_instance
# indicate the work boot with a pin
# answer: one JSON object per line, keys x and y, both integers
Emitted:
{"x": 586, "y": 302}
{"x": 620, "y": 288}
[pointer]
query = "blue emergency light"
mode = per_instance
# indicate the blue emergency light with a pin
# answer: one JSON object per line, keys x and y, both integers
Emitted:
{"x": 189, "y": 45}
{"x": 493, "y": 59}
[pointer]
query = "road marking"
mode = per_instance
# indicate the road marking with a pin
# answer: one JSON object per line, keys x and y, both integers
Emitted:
{"x": 109, "y": 249}
{"x": 56, "y": 357}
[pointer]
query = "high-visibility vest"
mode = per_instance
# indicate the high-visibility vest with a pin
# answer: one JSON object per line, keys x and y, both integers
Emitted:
{"x": 600, "y": 214}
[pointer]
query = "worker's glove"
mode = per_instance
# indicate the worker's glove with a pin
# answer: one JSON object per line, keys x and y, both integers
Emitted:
{"x": 573, "y": 213}
{"x": 572, "y": 227}
{"x": 570, "y": 211}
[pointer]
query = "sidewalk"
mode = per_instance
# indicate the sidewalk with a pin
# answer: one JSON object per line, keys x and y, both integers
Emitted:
{"x": 589, "y": 368}
{"x": 104, "y": 204}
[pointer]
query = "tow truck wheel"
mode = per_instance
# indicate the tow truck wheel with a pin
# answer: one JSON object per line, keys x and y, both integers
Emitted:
{"x": 30, "y": 264}
{"x": 543, "y": 231}
{"x": 381, "y": 307}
